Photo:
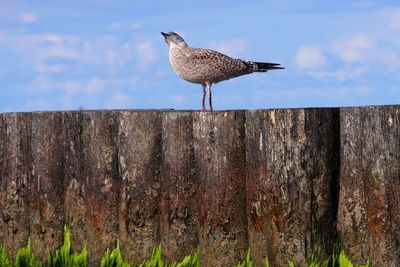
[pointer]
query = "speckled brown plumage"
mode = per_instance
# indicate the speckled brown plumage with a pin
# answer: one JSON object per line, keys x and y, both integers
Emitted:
{"x": 207, "y": 67}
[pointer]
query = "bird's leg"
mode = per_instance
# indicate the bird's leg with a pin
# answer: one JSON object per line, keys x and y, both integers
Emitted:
{"x": 204, "y": 98}
{"x": 210, "y": 97}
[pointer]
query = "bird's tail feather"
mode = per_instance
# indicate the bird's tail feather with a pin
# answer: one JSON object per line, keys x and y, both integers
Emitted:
{"x": 264, "y": 66}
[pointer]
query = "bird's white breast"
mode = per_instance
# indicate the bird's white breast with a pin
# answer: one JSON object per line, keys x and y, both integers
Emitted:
{"x": 179, "y": 62}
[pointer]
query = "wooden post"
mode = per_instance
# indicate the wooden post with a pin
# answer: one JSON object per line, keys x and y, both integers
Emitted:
{"x": 179, "y": 186}
{"x": 75, "y": 177}
{"x": 369, "y": 205}
{"x": 15, "y": 180}
{"x": 47, "y": 184}
{"x": 220, "y": 153}
{"x": 139, "y": 156}
{"x": 292, "y": 166}
{"x": 100, "y": 169}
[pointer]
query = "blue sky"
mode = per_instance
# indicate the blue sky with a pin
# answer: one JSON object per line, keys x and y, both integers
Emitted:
{"x": 62, "y": 55}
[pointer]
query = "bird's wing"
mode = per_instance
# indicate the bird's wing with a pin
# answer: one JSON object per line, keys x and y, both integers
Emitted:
{"x": 211, "y": 57}
{"x": 201, "y": 54}
{"x": 216, "y": 60}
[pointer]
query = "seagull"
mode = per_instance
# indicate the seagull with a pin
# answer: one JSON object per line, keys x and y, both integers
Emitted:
{"x": 208, "y": 67}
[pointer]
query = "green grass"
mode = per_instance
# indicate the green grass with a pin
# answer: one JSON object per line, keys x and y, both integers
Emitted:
{"x": 66, "y": 257}
{"x": 248, "y": 262}
{"x": 338, "y": 258}
{"x": 25, "y": 257}
{"x": 4, "y": 259}
{"x": 114, "y": 258}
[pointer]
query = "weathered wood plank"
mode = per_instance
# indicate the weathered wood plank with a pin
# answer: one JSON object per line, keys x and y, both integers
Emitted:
{"x": 75, "y": 178}
{"x": 102, "y": 182}
{"x": 15, "y": 180}
{"x": 369, "y": 205}
{"x": 179, "y": 185}
{"x": 47, "y": 184}
{"x": 220, "y": 153}
{"x": 292, "y": 169}
{"x": 139, "y": 153}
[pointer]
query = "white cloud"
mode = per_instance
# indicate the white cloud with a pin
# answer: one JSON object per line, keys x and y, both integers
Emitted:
{"x": 340, "y": 75}
{"x": 54, "y": 39}
{"x": 38, "y": 104}
{"x": 147, "y": 54}
{"x": 136, "y": 26}
{"x": 39, "y": 47}
{"x": 393, "y": 16}
{"x": 310, "y": 57}
{"x": 95, "y": 85}
{"x": 107, "y": 51}
{"x": 354, "y": 49}
{"x": 114, "y": 26}
{"x": 128, "y": 51}
{"x": 36, "y": 49}
{"x": 3, "y": 36}
{"x": 112, "y": 57}
{"x": 120, "y": 100}
{"x": 104, "y": 51}
{"x": 44, "y": 82}
{"x": 40, "y": 83}
{"x": 61, "y": 52}
{"x": 363, "y": 53}
{"x": 81, "y": 87}
{"x": 179, "y": 99}
{"x": 50, "y": 68}
{"x": 358, "y": 54}
{"x": 232, "y": 48}
{"x": 28, "y": 18}
{"x": 133, "y": 82}
{"x": 71, "y": 87}
{"x": 117, "y": 26}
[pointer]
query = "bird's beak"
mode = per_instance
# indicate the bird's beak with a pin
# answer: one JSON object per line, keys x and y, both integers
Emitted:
{"x": 164, "y": 34}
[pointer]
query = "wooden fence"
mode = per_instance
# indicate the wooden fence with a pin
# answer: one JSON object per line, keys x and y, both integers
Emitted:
{"x": 286, "y": 183}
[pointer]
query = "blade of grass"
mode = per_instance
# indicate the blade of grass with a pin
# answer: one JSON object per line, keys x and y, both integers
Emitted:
{"x": 114, "y": 258}
{"x": 65, "y": 256}
{"x": 25, "y": 257}
{"x": 4, "y": 259}
{"x": 190, "y": 261}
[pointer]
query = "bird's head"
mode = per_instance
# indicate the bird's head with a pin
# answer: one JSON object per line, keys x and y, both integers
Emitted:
{"x": 174, "y": 39}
